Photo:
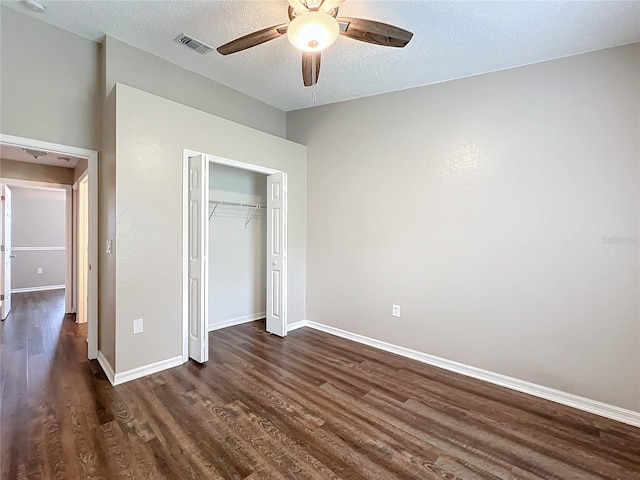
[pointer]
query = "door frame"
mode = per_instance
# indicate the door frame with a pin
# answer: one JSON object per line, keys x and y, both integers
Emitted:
{"x": 92, "y": 159}
{"x": 186, "y": 153}
{"x": 5, "y": 254}
{"x": 68, "y": 221}
{"x": 84, "y": 178}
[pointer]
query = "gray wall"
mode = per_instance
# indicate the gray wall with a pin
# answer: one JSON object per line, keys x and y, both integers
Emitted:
{"x": 151, "y": 133}
{"x": 79, "y": 76}
{"x": 125, "y": 64}
{"x": 37, "y": 222}
{"x": 48, "y": 82}
{"x": 136, "y": 68}
{"x": 35, "y": 172}
{"x": 80, "y": 168}
{"x": 500, "y": 211}
{"x": 237, "y": 253}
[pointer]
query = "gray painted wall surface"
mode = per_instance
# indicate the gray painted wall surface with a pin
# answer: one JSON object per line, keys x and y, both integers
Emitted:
{"x": 107, "y": 231}
{"x": 136, "y": 68}
{"x": 80, "y": 168}
{"x": 128, "y": 65}
{"x": 500, "y": 211}
{"x": 237, "y": 252}
{"x": 151, "y": 133}
{"x": 35, "y": 172}
{"x": 48, "y": 82}
{"x": 38, "y": 220}
{"x": 26, "y": 264}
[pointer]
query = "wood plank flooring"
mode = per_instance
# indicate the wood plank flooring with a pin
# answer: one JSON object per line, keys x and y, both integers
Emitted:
{"x": 309, "y": 406}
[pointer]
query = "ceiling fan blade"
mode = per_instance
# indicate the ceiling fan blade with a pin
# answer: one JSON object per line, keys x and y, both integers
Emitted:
{"x": 331, "y": 4}
{"x": 374, "y": 32}
{"x": 253, "y": 39}
{"x": 309, "y": 74}
{"x": 298, "y": 5}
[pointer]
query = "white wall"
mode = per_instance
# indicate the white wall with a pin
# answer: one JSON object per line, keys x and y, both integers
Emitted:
{"x": 500, "y": 211}
{"x": 38, "y": 223}
{"x": 237, "y": 253}
{"x": 151, "y": 133}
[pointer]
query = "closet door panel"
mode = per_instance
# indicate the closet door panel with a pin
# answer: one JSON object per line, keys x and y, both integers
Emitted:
{"x": 198, "y": 301}
{"x": 277, "y": 254}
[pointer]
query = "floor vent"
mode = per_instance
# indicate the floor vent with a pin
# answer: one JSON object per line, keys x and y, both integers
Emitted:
{"x": 193, "y": 44}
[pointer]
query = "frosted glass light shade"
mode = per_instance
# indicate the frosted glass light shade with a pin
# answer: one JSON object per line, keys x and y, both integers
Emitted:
{"x": 313, "y": 31}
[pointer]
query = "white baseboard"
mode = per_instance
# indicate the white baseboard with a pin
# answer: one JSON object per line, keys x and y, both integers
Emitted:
{"x": 236, "y": 321}
{"x": 106, "y": 366}
{"x": 134, "y": 373}
{"x": 145, "y": 370}
{"x": 581, "y": 403}
{"x": 37, "y": 289}
{"x": 297, "y": 325}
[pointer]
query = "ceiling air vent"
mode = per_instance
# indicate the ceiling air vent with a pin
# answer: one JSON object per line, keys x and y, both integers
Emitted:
{"x": 193, "y": 44}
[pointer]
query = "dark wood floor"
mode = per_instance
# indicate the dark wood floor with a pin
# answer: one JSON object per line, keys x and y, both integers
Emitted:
{"x": 307, "y": 406}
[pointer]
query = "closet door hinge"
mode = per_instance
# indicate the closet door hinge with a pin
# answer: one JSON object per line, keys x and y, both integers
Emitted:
{"x": 2, "y": 296}
{"x": 1, "y": 248}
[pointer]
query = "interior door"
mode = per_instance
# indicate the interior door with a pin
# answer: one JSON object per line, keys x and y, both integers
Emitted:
{"x": 5, "y": 252}
{"x": 198, "y": 247}
{"x": 277, "y": 254}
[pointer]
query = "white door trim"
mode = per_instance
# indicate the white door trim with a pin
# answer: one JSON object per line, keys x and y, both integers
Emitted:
{"x": 81, "y": 252}
{"x": 92, "y": 160}
{"x": 5, "y": 254}
{"x": 186, "y": 153}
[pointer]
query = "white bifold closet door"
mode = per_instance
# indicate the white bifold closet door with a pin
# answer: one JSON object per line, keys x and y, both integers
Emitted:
{"x": 198, "y": 265}
{"x": 277, "y": 254}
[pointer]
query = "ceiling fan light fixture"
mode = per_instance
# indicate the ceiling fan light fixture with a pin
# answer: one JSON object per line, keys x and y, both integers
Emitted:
{"x": 35, "y": 153}
{"x": 313, "y": 31}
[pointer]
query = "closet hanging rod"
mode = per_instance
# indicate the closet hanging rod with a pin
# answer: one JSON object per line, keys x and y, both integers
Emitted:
{"x": 235, "y": 204}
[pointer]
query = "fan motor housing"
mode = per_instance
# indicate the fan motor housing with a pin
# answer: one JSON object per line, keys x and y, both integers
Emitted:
{"x": 296, "y": 13}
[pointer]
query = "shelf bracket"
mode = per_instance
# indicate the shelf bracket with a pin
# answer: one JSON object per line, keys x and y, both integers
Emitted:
{"x": 213, "y": 211}
{"x": 250, "y": 214}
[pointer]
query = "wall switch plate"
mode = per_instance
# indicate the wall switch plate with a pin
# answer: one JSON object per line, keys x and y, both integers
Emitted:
{"x": 39, "y": 270}
{"x": 138, "y": 326}
{"x": 395, "y": 310}
{"x": 109, "y": 246}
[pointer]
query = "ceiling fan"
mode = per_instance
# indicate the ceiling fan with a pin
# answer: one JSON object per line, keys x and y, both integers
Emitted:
{"x": 314, "y": 25}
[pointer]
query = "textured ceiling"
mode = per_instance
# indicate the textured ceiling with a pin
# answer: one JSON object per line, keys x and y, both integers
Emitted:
{"x": 451, "y": 40}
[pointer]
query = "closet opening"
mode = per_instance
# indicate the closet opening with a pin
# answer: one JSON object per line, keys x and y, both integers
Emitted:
{"x": 237, "y": 221}
{"x": 235, "y": 248}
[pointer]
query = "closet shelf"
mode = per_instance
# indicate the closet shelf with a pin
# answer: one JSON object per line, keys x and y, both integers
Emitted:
{"x": 235, "y": 204}
{"x": 247, "y": 211}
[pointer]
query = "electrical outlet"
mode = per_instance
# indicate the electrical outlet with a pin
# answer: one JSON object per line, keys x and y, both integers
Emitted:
{"x": 39, "y": 271}
{"x": 138, "y": 326}
{"x": 395, "y": 310}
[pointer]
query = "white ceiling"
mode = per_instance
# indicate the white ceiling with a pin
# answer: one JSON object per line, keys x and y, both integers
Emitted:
{"x": 451, "y": 40}
{"x": 9, "y": 152}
